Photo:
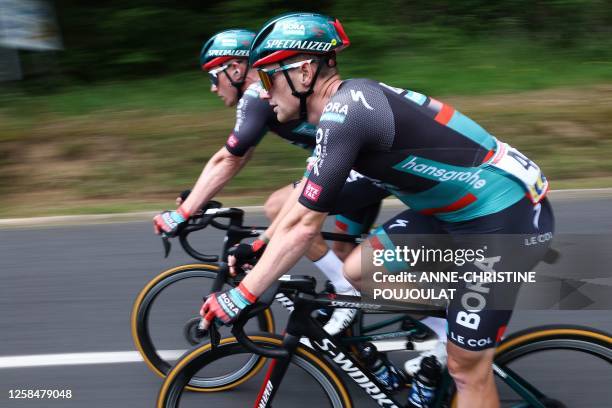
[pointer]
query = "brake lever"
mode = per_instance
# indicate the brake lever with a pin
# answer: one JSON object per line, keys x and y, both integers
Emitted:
{"x": 213, "y": 333}
{"x": 167, "y": 245}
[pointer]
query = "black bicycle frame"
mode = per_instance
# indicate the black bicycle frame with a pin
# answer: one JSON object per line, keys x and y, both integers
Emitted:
{"x": 301, "y": 324}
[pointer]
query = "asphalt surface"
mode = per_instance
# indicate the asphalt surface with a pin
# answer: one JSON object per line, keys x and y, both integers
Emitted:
{"x": 71, "y": 289}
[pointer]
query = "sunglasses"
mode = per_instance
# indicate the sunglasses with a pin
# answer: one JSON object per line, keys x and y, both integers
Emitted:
{"x": 265, "y": 75}
{"x": 213, "y": 74}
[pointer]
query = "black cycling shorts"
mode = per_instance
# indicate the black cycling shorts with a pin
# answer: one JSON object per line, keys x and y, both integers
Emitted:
{"x": 478, "y": 314}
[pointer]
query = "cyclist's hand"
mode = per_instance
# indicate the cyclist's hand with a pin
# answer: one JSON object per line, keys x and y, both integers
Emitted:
{"x": 233, "y": 301}
{"x": 169, "y": 221}
{"x": 182, "y": 197}
{"x": 235, "y": 269}
{"x": 244, "y": 256}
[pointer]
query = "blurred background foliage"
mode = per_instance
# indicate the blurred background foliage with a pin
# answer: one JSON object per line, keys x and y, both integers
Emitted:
{"x": 110, "y": 39}
{"x": 121, "y": 118}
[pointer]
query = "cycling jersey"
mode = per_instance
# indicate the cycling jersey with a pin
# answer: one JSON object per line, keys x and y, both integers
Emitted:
{"x": 254, "y": 117}
{"x": 433, "y": 158}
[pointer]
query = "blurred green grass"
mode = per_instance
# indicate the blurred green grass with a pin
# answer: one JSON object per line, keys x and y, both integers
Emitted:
{"x": 434, "y": 62}
{"x": 130, "y": 145}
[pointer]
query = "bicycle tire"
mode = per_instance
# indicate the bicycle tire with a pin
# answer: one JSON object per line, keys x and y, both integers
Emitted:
{"x": 323, "y": 372}
{"x": 141, "y": 334}
{"x": 599, "y": 342}
{"x": 553, "y": 337}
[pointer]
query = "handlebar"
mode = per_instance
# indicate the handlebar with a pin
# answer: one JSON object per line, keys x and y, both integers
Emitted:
{"x": 236, "y": 232}
{"x": 209, "y": 215}
{"x": 265, "y": 300}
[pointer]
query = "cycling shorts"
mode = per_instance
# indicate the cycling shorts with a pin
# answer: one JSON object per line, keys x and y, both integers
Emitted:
{"x": 478, "y": 314}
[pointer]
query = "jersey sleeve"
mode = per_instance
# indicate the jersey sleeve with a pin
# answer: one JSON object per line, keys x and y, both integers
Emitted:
{"x": 252, "y": 115}
{"x": 353, "y": 121}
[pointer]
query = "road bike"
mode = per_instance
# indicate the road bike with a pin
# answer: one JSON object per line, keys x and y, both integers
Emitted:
{"x": 323, "y": 358}
{"x": 186, "y": 284}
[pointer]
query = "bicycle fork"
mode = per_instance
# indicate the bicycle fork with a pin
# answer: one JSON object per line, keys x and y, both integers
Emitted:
{"x": 276, "y": 372}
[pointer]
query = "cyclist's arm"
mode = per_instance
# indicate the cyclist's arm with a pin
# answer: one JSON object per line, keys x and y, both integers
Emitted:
{"x": 219, "y": 170}
{"x": 294, "y": 235}
{"x": 338, "y": 145}
{"x": 298, "y": 228}
{"x": 252, "y": 115}
{"x": 341, "y": 139}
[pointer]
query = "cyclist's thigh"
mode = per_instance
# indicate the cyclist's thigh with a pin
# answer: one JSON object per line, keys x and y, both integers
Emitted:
{"x": 358, "y": 204}
{"x": 356, "y": 222}
{"x": 408, "y": 228}
{"x": 512, "y": 240}
{"x": 359, "y": 220}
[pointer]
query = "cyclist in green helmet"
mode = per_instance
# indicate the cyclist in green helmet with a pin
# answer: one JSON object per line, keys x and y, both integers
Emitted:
{"x": 456, "y": 178}
{"x": 225, "y": 58}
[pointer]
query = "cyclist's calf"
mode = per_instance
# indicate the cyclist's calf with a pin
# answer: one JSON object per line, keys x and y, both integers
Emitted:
{"x": 353, "y": 270}
{"x": 342, "y": 249}
{"x": 473, "y": 376}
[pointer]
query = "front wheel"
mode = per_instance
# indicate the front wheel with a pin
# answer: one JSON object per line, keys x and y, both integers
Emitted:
{"x": 309, "y": 381}
{"x": 163, "y": 309}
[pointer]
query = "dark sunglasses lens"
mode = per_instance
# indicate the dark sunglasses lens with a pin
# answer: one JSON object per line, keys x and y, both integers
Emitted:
{"x": 213, "y": 79}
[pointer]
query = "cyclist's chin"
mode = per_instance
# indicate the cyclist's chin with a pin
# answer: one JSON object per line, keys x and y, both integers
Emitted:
{"x": 229, "y": 101}
{"x": 284, "y": 116}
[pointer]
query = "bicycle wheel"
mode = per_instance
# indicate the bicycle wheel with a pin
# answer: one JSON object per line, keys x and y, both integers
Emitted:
{"x": 185, "y": 286}
{"x": 309, "y": 381}
{"x": 545, "y": 356}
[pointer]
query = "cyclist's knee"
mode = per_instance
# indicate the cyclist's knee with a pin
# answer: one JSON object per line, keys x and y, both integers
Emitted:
{"x": 274, "y": 203}
{"x": 470, "y": 369}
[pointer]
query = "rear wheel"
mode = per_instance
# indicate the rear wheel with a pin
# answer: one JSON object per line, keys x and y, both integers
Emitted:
{"x": 551, "y": 361}
{"x": 162, "y": 321}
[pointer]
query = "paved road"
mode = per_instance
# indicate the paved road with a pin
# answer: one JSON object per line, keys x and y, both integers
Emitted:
{"x": 70, "y": 290}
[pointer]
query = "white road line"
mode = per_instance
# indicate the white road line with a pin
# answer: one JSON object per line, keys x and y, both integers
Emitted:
{"x": 110, "y": 357}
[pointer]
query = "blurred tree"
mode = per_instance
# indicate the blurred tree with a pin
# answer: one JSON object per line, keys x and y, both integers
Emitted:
{"x": 112, "y": 38}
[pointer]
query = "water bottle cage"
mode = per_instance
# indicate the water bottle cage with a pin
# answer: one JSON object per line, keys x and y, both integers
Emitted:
{"x": 392, "y": 379}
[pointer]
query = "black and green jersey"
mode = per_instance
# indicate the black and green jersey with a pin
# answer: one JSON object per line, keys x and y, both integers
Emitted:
{"x": 433, "y": 158}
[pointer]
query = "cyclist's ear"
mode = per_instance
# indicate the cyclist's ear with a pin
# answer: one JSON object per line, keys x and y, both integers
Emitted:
{"x": 237, "y": 69}
{"x": 307, "y": 73}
